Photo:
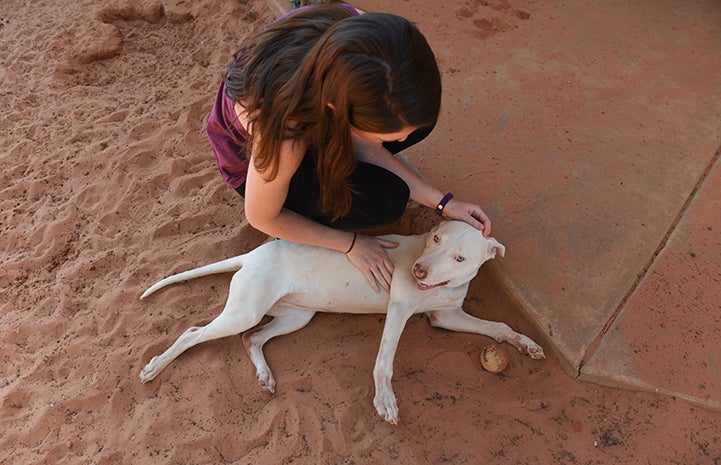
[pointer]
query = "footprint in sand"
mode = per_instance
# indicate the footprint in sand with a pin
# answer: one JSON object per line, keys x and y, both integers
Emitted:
{"x": 490, "y": 23}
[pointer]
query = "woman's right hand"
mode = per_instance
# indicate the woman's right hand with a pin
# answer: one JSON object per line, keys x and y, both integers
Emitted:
{"x": 368, "y": 254}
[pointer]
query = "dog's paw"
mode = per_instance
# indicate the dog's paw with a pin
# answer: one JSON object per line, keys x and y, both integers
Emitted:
{"x": 524, "y": 344}
{"x": 266, "y": 380}
{"x": 385, "y": 404}
{"x": 535, "y": 352}
{"x": 150, "y": 371}
{"x": 527, "y": 346}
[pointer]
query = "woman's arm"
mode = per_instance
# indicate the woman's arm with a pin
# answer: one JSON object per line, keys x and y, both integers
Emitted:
{"x": 264, "y": 200}
{"x": 420, "y": 190}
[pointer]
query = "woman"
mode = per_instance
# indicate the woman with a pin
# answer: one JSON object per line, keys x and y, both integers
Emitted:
{"x": 306, "y": 122}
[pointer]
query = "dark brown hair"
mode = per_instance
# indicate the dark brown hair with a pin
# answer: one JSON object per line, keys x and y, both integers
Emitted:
{"x": 376, "y": 71}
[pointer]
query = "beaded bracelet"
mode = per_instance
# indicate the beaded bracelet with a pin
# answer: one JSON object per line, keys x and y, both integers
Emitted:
{"x": 352, "y": 243}
{"x": 442, "y": 204}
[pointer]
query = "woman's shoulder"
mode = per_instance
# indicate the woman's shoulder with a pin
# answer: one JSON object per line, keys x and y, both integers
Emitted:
{"x": 242, "y": 117}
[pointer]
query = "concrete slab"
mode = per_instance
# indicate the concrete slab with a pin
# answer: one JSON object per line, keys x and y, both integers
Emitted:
{"x": 583, "y": 128}
{"x": 597, "y": 132}
{"x": 278, "y": 7}
{"x": 666, "y": 338}
{"x": 604, "y": 137}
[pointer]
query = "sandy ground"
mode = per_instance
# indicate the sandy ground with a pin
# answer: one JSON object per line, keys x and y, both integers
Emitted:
{"x": 108, "y": 184}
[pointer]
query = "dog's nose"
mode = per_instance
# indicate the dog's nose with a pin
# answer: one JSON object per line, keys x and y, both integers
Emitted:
{"x": 419, "y": 272}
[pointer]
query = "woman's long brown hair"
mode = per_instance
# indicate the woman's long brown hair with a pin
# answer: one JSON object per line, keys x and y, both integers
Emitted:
{"x": 319, "y": 72}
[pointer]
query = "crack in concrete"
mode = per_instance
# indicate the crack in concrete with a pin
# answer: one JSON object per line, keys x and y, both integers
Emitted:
{"x": 593, "y": 346}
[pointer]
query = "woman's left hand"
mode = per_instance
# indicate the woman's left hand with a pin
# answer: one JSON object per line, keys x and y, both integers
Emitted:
{"x": 470, "y": 213}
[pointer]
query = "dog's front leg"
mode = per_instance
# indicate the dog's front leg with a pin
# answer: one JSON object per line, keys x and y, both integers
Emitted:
{"x": 458, "y": 320}
{"x": 385, "y": 400}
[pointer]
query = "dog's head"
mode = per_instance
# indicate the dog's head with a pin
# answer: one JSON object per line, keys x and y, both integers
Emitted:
{"x": 453, "y": 254}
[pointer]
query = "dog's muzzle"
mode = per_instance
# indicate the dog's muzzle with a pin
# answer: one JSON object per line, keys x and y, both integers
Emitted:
{"x": 420, "y": 273}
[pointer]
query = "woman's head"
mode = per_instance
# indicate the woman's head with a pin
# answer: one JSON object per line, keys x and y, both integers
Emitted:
{"x": 267, "y": 60}
{"x": 374, "y": 73}
{"x": 378, "y": 71}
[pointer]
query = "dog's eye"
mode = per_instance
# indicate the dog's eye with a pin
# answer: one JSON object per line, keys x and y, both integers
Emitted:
{"x": 436, "y": 239}
{"x": 460, "y": 258}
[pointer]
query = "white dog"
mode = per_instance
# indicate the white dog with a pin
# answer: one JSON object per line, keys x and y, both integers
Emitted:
{"x": 291, "y": 282}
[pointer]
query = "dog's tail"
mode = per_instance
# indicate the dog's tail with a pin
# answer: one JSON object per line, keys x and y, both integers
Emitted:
{"x": 225, "y": 266}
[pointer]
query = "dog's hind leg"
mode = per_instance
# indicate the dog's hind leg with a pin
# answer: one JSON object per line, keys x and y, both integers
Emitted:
{"x": 285, "y": 320}
{"x": 239, "y": 315}
{"x": 458, "y": 320}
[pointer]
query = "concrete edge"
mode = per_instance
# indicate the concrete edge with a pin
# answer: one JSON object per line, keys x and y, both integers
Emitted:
{"x": 515, "y": 298}
{"x": 278, "y": 7}
{"x": 635, "y": 384}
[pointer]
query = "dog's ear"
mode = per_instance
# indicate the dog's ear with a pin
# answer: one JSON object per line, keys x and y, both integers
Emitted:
{"x": 495, "y": 247}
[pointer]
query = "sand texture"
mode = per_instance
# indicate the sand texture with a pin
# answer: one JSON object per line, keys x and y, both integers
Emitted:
{"x": 108, "y": 184}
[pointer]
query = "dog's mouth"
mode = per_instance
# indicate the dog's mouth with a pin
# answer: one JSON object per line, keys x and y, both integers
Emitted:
{"x": 425, "y": 287}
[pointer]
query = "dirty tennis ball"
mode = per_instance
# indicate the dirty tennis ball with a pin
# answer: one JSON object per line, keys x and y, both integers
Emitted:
{"x": 494, "y": 358}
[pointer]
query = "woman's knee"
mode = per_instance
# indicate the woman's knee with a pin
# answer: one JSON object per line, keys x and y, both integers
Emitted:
{"x": 380, "y": 194}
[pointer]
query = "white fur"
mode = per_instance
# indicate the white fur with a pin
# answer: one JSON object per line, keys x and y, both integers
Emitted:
{"x": 291, "y": 282}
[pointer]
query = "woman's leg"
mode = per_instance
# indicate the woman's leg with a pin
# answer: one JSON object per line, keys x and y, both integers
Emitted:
{"x": 380, "y": 199}
{"x": 381, "y": 196}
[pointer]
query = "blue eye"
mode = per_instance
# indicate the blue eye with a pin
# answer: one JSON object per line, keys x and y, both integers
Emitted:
{"x": 460, "y": 258}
